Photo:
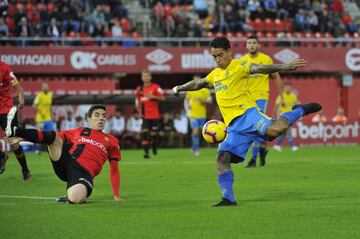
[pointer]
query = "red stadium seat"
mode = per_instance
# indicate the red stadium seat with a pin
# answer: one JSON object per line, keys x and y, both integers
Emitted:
{"x": 259, "y": 25}
{"x": 50, "y": 7}
{"x": 240, "y": 35}
{"x": 28, "y": 7}
{"x": 219, "y": 34}
{"x": 271, "y": 36}
{"x": 269, "y": 25}
{"x": 230, "y": 35}
{"x": 310, "y": 43}
{"x": 288, "y": 25}
{"x": 10, "y": 23}
{"x": 251, "y": 23}
{"x": 11, "y": 10}
{"x": 279, "y": 25}
{"x": 125, "y": 24}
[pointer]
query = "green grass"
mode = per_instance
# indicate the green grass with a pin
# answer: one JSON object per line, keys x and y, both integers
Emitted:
{"x": 311, "y": 193}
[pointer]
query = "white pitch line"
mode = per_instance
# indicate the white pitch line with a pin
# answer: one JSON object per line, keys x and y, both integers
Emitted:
{"x": 27, "y": 197}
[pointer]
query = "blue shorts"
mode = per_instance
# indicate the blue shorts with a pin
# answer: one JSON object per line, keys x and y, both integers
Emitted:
{"x": 197, "y": 122}
{"x": 243, "y": 130}
{"x": 262, "y": 104}
{"x": 47, "y": 125}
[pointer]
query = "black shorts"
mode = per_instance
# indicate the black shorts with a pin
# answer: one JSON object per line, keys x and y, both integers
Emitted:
{"x": 70, "y": 171}
{"x": 3, "y": 121}
{"x": 150, "y": 124}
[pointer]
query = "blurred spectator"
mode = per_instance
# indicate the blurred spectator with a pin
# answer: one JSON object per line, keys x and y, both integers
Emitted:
{"x": 181, "y": 128}
{"x": 349, "y": 24}
{"x": 254, "y": 7}
{"x": 116, "y": 30}
{"x": 319, "y": 118}
{"x": 133, "y": 129}
{"x": 54, "y": 31}
{"x": 313, "y": 21}
{"x": 201, "y": 8}
{"x": 340, "y": 116}
{"x": 117, "y": 125}
{"x": 270, "y": 7}
{"x": 23, "y": 29}
{"x": 80, "y": 122}
{"x": 98, "y": 16}
{"x": 166, "y": 131}
{"x": 282, "y": 12}
{"x": 20, "y": 14}
{"x": 4, "y": 30}
{"x": 68, "y": 122}
{"x": 300, "y": 21}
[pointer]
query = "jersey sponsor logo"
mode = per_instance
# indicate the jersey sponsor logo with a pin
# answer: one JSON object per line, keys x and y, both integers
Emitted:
{"x": 219, "y": 86}
{"x": 159, "y": 57}
{"x": 93, "y": 142}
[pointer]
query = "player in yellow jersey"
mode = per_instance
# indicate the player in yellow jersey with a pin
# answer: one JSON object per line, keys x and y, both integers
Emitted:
{"x": 43, "y": 103}
{"x": 260, "y": 91}
{"x": 196, "y": 101}
{"x": 242, "y": 117}
{"x": 284, "y": 103}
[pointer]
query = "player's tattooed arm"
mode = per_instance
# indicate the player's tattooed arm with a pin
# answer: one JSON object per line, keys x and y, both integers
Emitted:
{"x": 193, "y": 85}
{"x": 268, "y": 69}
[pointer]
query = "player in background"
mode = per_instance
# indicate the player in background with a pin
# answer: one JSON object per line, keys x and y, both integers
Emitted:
{"x": 147, "y": 101}
{"x": 241, "y": 115}
{"x": 283, "y": 104}
{"x": 77, "y": 155}
{"x": 196, "y": 104}
{"x": 43, "y": 103}
{"x": 8, "y": 79}
{"x": 260, "y": 90}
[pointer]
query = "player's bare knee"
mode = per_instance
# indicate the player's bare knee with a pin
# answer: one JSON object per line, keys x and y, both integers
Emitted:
{"x": 223, "y": 162}
{"x": 14, "y": 146}
{"x": 195, "y": 131}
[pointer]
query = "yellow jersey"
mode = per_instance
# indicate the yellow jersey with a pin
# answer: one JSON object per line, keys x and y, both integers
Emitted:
{"x": 197, "y": 108}
{"x": 43, "y": 102}
{"x": 290, "y": 99}
{"x": 259, "y": 83}
{"x": 231, "y": 89}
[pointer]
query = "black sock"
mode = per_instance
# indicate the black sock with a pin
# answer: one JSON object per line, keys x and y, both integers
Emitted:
{"x": 19, "y": 153}
{"x": 145, "y": 142}
{"x": 2, "y": 155}
{"x": 36, "y": 136}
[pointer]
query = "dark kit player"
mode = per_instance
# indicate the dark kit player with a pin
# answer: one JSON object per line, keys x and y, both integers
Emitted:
{"x": 147, "y": 102}
{"x": 78, "y": 155}
{"x": 7, "y": 111}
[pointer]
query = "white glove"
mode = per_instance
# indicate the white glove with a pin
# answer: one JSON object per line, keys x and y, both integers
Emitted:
{"x": 175, "y": 90}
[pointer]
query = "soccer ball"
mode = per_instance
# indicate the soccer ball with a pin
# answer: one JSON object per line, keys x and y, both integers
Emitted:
{"x": 214, "y": 131}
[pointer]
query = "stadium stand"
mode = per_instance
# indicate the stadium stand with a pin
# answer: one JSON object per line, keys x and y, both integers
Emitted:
{"x": 177, "y": 18}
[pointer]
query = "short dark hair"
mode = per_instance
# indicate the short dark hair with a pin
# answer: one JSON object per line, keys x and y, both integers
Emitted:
{"x": 95, "y": 107}
{"x": 220, "y": 42}
{"x": 253, "y": 37}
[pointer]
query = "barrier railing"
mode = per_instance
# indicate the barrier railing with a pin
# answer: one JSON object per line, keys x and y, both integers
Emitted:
{"x": 171, "y": 42}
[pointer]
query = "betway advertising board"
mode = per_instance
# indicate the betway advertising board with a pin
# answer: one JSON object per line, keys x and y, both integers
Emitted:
{"x": 44, "y": 60}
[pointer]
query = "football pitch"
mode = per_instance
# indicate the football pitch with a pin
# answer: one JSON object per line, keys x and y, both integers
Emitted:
{"x": 311, "y": 193}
